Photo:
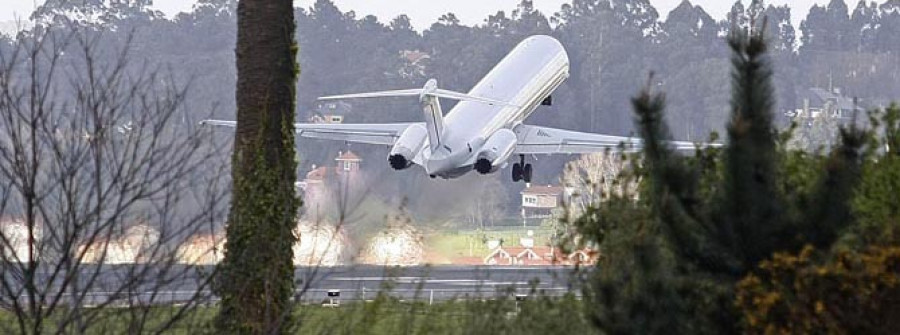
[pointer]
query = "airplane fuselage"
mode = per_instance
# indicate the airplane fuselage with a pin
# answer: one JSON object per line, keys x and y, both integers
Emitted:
{"x": 524, "y": 78}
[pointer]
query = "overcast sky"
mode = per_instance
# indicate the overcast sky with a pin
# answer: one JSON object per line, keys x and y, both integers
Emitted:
{"x": 423, "y": 15}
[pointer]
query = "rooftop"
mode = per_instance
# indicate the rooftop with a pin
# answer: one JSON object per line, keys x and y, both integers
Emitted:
{"x": 414, "y": 56}
{"x": 348, "y": 156}
{"x": 320, "y": 173}
{"x": 334, "y": 108}
{"x": 819, "y": 96}
{"x": 543, "y": 190}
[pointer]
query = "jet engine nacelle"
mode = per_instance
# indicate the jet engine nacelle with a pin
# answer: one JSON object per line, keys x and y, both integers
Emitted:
{"x": 495, "y": 151}
{"x": 407, "y": 146}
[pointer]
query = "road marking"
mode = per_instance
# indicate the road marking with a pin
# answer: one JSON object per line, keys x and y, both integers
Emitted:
{"x": 373, "y": 278}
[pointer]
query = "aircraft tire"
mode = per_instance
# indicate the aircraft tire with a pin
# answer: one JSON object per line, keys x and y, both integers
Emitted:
{"x": 517, "y": 172}
{"x": 526, "y": 173}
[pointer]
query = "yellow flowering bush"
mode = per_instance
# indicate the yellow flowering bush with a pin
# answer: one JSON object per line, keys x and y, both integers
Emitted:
{"x": 851, "y": 293}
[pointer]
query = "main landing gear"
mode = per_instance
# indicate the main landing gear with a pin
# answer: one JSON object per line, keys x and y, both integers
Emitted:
{"x": 521, "y": 171}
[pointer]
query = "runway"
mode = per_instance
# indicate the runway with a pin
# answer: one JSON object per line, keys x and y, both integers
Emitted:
{"x": 355, "y": 283}
{"x": 435, "y": 283}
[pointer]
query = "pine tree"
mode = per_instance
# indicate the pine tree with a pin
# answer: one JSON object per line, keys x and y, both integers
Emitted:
{"x": 705, "y": 222}
{"x": 748, "y": 219}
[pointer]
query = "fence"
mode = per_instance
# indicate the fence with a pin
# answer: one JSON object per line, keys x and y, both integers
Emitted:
{"x": 317, "y": 296}
{"x": 321, "y": 296}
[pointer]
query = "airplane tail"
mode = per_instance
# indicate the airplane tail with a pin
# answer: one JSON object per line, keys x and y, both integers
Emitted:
{"x": 428, "y": 96}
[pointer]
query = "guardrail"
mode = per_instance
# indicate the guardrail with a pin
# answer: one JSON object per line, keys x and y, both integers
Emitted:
{"x": 310, "y": 296}
{"x": 321, "y": 296}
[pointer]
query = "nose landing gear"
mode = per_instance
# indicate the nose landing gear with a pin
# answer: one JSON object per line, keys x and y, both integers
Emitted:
{"x": 521, "y": 171}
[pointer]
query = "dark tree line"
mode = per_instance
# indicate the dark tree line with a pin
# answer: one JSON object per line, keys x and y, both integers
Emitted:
{"x": 609, "y": 41}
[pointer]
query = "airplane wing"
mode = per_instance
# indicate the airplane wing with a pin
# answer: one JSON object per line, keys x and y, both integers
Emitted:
{"x": 383, "y": 134}
{"x": 543, "y": 140}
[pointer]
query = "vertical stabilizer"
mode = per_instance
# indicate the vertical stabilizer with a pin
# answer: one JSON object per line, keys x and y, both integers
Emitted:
{"x": 434, "y": 121}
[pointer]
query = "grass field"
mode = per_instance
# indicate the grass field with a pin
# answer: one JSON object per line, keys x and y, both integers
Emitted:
{"x": 503, "y": 316}
{"x": 443, "y": 246}
{"x": 383, "y": 315}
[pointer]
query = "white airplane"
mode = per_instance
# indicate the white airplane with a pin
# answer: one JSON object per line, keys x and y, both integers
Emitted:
{"x": 484, "y": 130}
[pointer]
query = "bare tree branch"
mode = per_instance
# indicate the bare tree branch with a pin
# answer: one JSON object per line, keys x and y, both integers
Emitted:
{"x": 102, "y": 183}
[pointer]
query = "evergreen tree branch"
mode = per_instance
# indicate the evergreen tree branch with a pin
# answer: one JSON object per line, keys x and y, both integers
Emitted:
{"x": 751, "y": 208}
{"x": 673, "y": 190}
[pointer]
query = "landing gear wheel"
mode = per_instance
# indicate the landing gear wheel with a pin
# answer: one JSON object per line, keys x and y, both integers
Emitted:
{"x": 526, "y": 173}
{"x": 517, "y": 174}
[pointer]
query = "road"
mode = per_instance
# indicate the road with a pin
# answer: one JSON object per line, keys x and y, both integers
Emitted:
{"x": 435, "y": 283}
{"x": 432, "y": 283}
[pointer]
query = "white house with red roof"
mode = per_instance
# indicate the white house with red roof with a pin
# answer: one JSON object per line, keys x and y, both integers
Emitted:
{"x": 348, "y": 162}
{"x": 527, "y": 254}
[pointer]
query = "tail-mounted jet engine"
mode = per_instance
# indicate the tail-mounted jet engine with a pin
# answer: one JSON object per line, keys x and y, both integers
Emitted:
{"x": 407, "y": 146}
{"x": 496, "y": 151}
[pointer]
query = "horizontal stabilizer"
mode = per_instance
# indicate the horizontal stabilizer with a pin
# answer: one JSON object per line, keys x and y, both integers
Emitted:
{"x": 440, "y": 93}
{"x": 382, "y": 94}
